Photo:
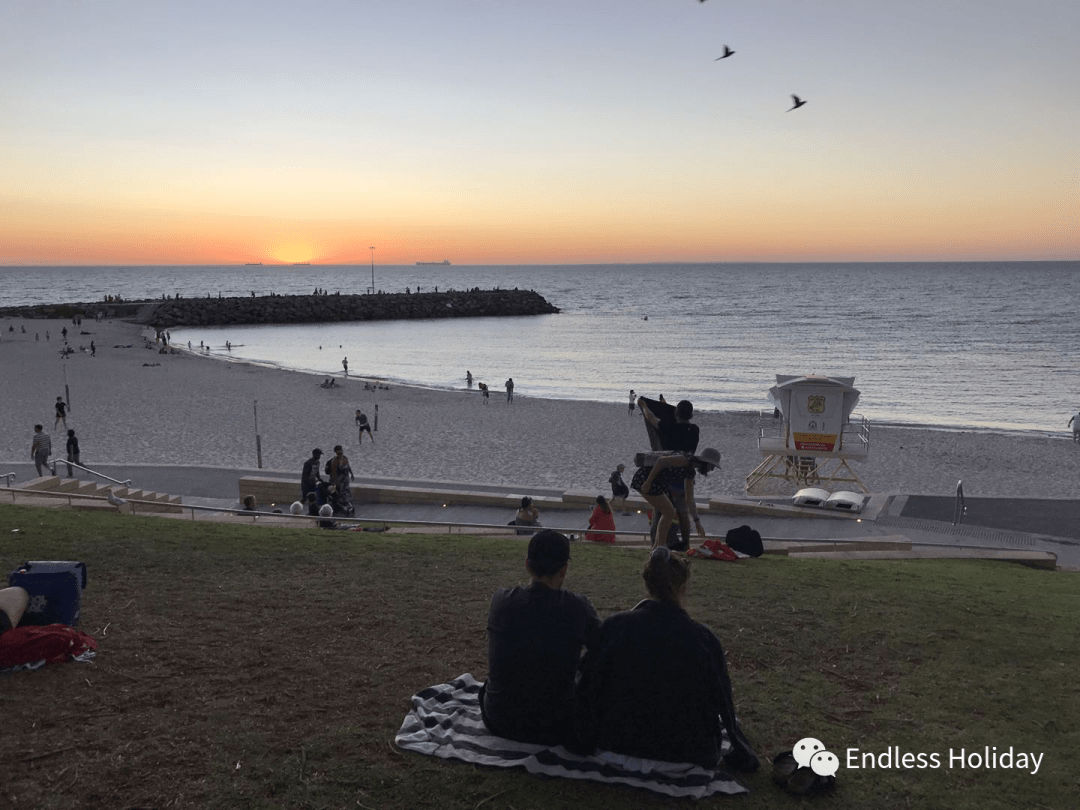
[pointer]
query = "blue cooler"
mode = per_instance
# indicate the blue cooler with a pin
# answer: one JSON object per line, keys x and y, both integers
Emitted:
{"x": 55, "y": 590}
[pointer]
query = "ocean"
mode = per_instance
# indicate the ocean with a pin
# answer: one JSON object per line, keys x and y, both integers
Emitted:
{"x": 985, "y": 346}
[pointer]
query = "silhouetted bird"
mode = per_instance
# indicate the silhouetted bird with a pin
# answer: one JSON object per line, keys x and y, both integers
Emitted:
{"x": 727, "y": 52}
{"x": 798, "y": 102}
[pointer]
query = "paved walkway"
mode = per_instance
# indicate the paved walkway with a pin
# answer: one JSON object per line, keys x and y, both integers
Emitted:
{"x": 925, "y": 521}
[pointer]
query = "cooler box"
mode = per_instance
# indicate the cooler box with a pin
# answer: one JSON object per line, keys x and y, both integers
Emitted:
{"x": 55, "y": 590}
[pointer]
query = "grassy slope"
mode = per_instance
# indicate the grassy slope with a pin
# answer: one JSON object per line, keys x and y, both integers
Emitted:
{"x": 250, "y": 667}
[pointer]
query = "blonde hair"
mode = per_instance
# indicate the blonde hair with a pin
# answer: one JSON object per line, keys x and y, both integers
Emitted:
{"x": 665, "y": 575}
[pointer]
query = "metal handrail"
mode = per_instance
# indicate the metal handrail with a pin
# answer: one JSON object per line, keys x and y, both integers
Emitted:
{"x": 56, "y": 461}
{"x": 959, "y": 509}
{"x": 459, "y": 526}
{"x": 285, "y": 514}
{"x": 9, "y": 477}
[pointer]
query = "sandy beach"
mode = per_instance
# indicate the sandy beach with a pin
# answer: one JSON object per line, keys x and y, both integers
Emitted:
{"x": 132, "y": 405}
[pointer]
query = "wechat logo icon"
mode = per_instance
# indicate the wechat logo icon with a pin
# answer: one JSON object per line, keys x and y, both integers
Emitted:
{"x": 810, "y": 753}
{"x": 807, "y": 768}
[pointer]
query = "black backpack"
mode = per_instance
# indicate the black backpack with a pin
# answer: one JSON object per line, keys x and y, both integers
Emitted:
{"x": 745, "y": 540}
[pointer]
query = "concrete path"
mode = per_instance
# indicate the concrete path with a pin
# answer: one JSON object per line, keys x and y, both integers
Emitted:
{"x": 1053, "y": 526}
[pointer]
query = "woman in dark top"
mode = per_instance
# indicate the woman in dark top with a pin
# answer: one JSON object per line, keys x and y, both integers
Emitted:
{"x": 670, "y": 481}
{"x": 656, "y": 684}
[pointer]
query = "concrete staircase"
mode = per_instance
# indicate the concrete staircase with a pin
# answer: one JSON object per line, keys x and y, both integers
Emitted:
{"x": 90, "y": 495}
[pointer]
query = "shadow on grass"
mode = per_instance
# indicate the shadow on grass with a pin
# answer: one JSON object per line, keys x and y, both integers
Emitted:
{"x": 241, "y": 666}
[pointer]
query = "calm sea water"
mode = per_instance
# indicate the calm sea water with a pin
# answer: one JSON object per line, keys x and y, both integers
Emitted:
{"x": 973, "y": 345}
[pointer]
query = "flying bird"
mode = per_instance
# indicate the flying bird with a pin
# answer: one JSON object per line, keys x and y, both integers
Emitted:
{"x": 727, "y": 52}
{"x": 798, "y": 102}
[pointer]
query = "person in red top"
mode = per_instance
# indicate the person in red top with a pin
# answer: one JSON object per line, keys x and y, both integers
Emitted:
{"x": 601, "y": 518}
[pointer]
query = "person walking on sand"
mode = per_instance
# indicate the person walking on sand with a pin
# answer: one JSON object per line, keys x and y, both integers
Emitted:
{"x": 633, "y": 401}
{"x": 510, "y": 390}
{"x": 345, "y": 365}
{"x": 1074, "y": 422}
{"x": 40, "y": 449}
{"x": 362, "y": 424}
{"x": 61, "y": 413}
{"x": 93, "y": 348}
{"x": 468, "y": 378}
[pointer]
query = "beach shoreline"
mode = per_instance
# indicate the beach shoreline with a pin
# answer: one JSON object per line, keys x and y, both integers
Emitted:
{"x": 130, "y": 404}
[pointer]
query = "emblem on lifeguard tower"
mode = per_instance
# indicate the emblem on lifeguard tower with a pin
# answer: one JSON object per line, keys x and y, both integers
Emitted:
{"x": 815, "y": 404}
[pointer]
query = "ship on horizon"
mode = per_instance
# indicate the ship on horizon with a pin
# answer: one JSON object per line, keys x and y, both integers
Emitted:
{"x": 252, "y": 264}
{"x": 443, "y": 263}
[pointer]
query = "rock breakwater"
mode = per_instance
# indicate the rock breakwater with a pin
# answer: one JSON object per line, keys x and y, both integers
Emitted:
{"x": 284, "y": 309}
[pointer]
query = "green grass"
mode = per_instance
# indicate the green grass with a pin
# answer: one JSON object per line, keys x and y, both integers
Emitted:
{"x": 244, "y": 667}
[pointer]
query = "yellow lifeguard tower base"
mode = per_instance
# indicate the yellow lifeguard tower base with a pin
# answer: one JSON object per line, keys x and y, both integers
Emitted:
{"x": 813, "y": 439}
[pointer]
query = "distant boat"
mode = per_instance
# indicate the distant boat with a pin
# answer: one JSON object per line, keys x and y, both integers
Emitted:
{"x": 298, "y": 264}
{"x": 443, "y": 263}
{"x": 253, "y": 264}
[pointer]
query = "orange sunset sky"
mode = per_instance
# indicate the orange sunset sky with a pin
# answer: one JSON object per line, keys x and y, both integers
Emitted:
{"x": 522, "y": 132}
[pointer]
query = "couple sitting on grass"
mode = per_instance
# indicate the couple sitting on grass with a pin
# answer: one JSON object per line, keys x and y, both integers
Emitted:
{"x": 653, "y": 683}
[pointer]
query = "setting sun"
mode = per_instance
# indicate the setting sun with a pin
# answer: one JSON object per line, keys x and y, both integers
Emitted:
{"x": 292, "y": 252}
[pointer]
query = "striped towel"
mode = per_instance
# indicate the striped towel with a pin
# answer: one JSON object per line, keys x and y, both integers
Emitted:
{"x": 445, "y": 722}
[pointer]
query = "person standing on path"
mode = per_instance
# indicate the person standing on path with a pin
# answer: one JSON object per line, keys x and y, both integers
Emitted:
{"x": 61, "y": 413}
{"x": 72, "y": 451}
{"x": 40, "y": 449}
{"x": 619, "y": 490}
{"x": 510, "y": 390}
{"x": 310, "y": 479}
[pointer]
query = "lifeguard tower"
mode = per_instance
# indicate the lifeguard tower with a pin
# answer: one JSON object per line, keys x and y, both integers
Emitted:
{"x": 811, "y": 437}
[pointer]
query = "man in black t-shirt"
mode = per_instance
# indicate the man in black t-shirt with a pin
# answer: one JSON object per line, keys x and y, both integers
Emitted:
{"x": 535, "y": 637}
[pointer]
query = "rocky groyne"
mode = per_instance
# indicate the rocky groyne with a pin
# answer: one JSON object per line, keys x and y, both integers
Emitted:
{"x": 283, "y": 309}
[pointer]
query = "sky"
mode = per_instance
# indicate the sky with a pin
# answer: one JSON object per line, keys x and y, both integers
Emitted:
{"x": 543, "y": 132}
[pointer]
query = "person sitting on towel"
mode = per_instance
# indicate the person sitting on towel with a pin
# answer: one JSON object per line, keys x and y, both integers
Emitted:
{"x": 655, "y": 685}
{"x": 535, "y": 637}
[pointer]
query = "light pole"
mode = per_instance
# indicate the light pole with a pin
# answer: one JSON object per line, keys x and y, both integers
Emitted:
{"x": 258, "y": 438}
{"x": 372, "y": 249}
